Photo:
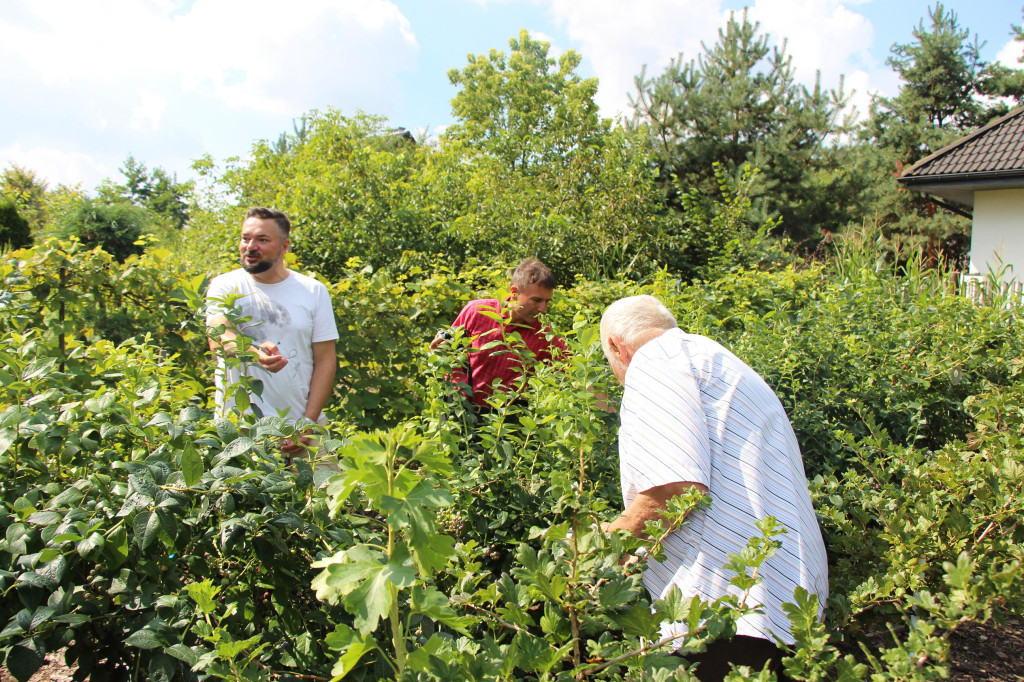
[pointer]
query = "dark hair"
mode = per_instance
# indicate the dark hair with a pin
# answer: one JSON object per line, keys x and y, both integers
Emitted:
{"x": 278, "y": 217}
{"x": 532, "y": 271}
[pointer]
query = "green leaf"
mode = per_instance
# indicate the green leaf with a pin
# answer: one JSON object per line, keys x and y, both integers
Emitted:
{"x": 45, "y": 518}
{"x": 672, "y": 607}
{"x": 7, "y": 438}
{"x": 433, "y": 604}
{"x": 24, "y": 660}
{"x": 48, "y": 576}
{"x": 414, "y": 513}
{"x": 352, "y": 645}
{"x": 90, "y": 544}
{"x": 236, "y": 448}
{"x": 40, "y": 616}
{"x": 147, "y": 527}
{"x": 144, "y": 485}
{"x": 203, "y": 594}
{"x": 638, "y": 621}
{"x": 373, "y": 598}
{"x": 100, "y": 403}
{"x": 183, "y": 654}
{"x": 116, "y": 546}
{"x": 617, "y": 592}
{"x": 144, "y": 639}
{"x": 158, "y": 419}
{"x": 226, "y": 429}
{"x": 191, "y": 465}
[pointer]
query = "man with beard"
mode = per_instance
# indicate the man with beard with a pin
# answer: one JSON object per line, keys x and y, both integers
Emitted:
{"x": 288, "y": 317}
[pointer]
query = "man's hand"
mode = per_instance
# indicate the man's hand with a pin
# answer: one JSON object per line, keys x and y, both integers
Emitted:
{"x": 295, "y": 444}
{"x": 270, "y": 357}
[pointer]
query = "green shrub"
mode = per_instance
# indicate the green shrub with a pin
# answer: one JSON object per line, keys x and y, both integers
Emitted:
{"x": 114, "y": 227}
{"x": 14, "y": 230}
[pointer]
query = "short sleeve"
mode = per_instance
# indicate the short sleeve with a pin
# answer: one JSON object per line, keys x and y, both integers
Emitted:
{"x": 324, "y": 326}
{"x": 664, "y": 437}
{"x": 218, "y": 290}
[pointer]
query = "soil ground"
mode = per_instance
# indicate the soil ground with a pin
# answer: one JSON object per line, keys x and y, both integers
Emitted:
{"x": 988, "y": 652}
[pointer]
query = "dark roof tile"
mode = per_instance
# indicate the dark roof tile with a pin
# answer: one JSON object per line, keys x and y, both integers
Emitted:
{"x": 997, "y": 147}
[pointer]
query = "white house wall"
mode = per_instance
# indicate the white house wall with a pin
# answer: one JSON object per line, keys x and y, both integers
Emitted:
{"x": 997, "y": 234}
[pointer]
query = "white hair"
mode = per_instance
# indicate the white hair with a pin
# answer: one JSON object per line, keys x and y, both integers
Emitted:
{"x": 634, "y": 319}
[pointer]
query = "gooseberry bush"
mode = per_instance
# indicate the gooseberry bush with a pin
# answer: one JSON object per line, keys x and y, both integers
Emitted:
{"x": 147, "y": 536}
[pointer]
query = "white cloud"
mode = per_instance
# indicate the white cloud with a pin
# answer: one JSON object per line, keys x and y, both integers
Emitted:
{"x": 57, "y": 167}
{"x": 619, "y": 38}
{"x": 829, "y": 37}
{"x": 148, "y": 112}
{"x": 820, "y": 35}
{"x": 256, "y": 55}
{"x": 1010, "y": 54}
{"x": 262, "y": 55}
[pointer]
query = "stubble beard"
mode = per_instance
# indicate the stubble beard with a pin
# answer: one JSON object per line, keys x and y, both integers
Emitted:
{"x": 260, "y": 267}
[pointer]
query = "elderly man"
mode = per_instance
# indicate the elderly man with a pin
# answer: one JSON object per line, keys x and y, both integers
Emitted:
{"x": 695, "y": 416}
{"x": 488, "y": 320}
{"x": 290, "y": 321}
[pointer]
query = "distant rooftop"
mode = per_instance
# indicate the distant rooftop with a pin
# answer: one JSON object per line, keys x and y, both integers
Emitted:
{"x": 991, "y": 157}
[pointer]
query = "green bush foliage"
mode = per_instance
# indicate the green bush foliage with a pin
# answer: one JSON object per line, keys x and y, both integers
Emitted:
{"x": 151, "y": 539}
{"x": 14, "y": 230}
{"x": 114, "y": 227}
{"x": 68, "y": 292}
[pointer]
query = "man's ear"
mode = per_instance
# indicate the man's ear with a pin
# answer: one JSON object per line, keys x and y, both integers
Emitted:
{"x": 513, "y": 289}
{"x": 622, "y": 350}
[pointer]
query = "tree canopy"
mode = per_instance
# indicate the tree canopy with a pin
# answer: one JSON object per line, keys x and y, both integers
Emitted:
{"x": 738, "y": 104}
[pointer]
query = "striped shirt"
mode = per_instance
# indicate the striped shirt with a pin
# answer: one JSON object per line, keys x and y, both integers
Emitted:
{"x": 694, "y": 412}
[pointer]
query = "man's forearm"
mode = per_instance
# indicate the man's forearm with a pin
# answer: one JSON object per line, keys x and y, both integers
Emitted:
{"x": 325, "y": 365}
{"x": 649, "y": 505}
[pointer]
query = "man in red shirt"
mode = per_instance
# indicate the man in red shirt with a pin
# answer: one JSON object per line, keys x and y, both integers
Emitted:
{"x": 515, "y": 326}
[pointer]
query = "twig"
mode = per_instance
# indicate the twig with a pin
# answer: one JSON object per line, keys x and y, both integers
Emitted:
{"x": 629, "y": 654}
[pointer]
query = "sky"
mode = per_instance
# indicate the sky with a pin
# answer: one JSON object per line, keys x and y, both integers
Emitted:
{"x": 88, "y": 83}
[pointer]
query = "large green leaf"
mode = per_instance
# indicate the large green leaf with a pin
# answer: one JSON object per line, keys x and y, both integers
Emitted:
{"x": 235, "y": 448}
{"x": 191, "y": 465}
{"x": 352, "y": 645}
{"x": 24, "y": 660}
{"x": 147, "y": 528}
{"x": 433, "y": 604}
{"x": 144, "y": 639}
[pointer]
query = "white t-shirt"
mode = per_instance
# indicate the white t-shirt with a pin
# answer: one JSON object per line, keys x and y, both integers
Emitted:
{"x": 694, "y": 412}
{"x": 294, "y": 313}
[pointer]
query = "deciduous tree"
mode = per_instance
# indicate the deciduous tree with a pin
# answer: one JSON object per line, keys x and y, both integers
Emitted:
{"x": 157, "y": 191}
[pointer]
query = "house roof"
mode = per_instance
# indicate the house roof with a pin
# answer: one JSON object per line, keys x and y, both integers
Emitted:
{"x": 991, "y": 157}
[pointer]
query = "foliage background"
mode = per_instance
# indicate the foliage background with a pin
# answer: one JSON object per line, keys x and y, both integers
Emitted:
{"x": 150, "y": 539}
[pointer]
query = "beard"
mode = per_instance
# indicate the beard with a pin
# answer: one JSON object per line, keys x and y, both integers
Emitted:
{"x": 259, "y": 267}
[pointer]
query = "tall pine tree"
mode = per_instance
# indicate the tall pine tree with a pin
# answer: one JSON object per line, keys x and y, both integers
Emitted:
{"x": 739, "y": 103}
{"x": 943, "y": 78}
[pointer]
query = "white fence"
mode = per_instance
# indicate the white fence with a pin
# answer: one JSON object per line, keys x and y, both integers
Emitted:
{"x": 983, "y": 289}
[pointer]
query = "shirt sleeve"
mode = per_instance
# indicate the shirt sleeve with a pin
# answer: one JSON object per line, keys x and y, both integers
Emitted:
{"x": 324, "y": 326}
{"x": 664, "y": 437}
{"x": 214, "y": 299}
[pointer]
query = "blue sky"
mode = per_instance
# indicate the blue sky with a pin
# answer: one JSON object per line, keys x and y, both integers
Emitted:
{"x": 87, "y": 83}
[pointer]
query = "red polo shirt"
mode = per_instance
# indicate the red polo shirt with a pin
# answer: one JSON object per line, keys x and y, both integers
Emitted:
{"x": 504, "y": 360}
